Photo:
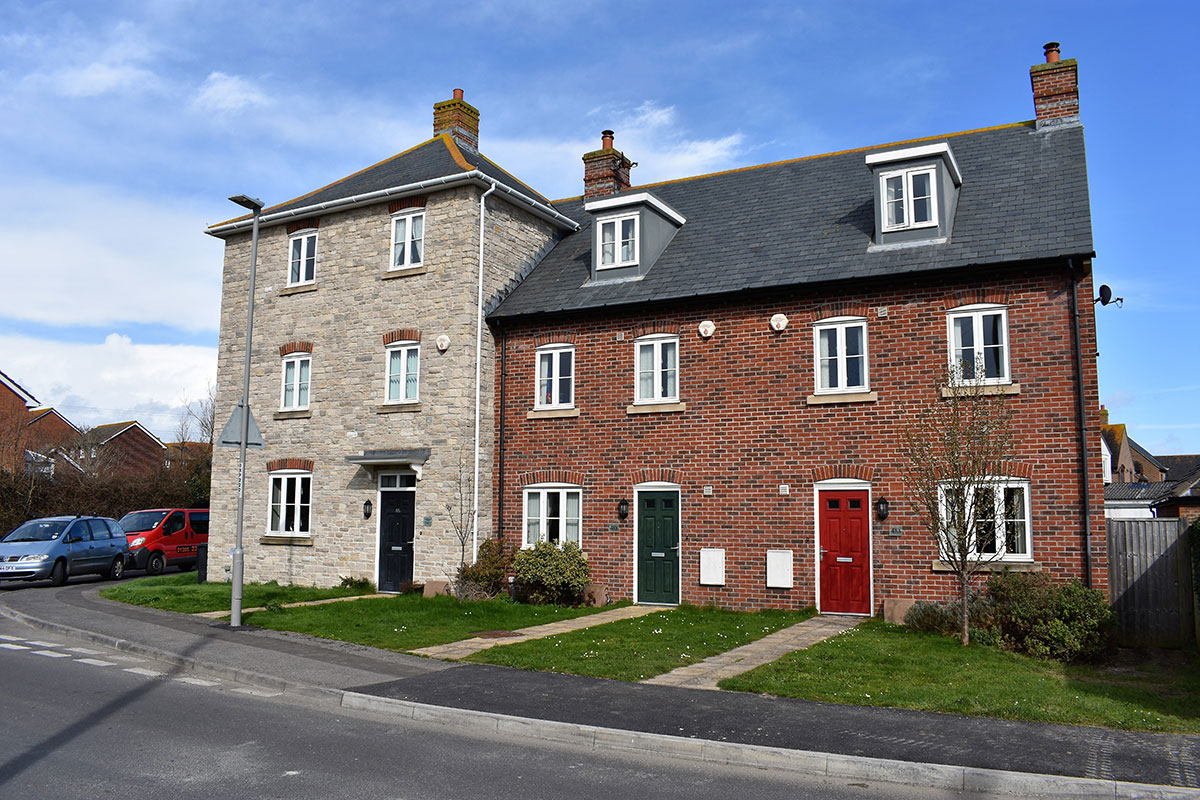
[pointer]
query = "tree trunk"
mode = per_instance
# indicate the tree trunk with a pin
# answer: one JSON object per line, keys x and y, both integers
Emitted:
{"x": 964, "y": 584}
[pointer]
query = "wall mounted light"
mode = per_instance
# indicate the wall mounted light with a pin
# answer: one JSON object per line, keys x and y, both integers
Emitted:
{"x": 881, "y": 509}
{"x": 622, "y": 509}
{"x": 367, "y": 509}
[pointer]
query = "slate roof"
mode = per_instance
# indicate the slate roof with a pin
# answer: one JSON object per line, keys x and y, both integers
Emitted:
{"x": 1179, "y": 467}
{"x": 435, "y": 158}
{"x": 1024, "y": 196}
{"x": 1145, "y": 454}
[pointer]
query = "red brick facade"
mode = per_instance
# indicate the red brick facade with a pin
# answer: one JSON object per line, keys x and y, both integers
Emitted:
{"x": 747, "y": 430}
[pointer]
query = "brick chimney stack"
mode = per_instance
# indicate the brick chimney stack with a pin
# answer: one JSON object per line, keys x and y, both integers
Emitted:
{"x": 1103, "y": 415}
{"x": 458, "y": 118}
{"x": 605, "y": 171}
{"x": 1055, "y": 89}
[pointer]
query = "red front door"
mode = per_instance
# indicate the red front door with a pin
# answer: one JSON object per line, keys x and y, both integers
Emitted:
{"x": 845, "y": 554}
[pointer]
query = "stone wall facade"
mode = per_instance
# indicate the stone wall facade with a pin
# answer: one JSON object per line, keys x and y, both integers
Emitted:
{"x": 343, "y": 317}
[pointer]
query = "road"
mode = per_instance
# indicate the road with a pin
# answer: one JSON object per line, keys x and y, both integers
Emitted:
{"x": 82, "y": 721}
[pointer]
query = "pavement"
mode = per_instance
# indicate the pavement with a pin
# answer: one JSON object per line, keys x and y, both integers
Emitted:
{"x": 943, "y": 751}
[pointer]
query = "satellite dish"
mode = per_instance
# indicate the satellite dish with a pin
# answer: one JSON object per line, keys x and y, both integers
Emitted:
{"x": 1105, "y": 294}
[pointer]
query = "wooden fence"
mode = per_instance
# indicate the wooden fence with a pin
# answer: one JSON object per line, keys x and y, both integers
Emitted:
{"x": 1150, "y": 581}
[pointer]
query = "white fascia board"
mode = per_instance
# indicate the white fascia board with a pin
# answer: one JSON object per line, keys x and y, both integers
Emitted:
{"x": 609, "y": 203}
{"x": 29, "y": 400}
{"x": 924, "y": 151}
{"x": 60, "y": 416}
{"x": 135, "y": 424}
{"x": 474, "y": 176}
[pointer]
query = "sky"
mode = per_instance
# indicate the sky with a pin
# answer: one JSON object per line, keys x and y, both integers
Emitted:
{"x": 128, "y": 124}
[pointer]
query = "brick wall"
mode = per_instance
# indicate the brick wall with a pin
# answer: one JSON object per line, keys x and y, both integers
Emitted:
{"x": 747, "y": 429}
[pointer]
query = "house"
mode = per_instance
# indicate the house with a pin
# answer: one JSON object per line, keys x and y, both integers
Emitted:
{"x": 120, "y": 447}
{"x": 1183, "y": 500}
{"x": 706, "y": 385}
{"x": 184, "y": 454}
{"x": 33, "y": 437}
{"x": 15, "y": 404}
{"x": 372, "y": 370}
{"x": 1126, "y": 461}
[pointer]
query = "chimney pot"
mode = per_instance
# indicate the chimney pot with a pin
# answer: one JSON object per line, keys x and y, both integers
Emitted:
{"x": 1052, "y": 52}
{"x": 1055, "y": 89}
{"x": 458, "y": 94}
{"x": 606, "y": 139}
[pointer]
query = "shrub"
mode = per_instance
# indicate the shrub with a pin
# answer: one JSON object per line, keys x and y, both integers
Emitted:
{"x": 944, "y": 618}
{"x": 1067, "y": 622}
{"x": 548, "y": 573}
{"x": 488, "y": 576}
{"x": 364, "y": 585}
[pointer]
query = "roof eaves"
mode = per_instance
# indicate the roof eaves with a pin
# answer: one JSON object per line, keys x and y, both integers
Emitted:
{"x": 19, "y": 390}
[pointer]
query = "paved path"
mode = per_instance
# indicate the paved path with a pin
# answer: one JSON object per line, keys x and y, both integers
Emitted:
{"x": 464, "y": 648}
{"x": 705, "y": 674}
{"x": 223, "y": 613}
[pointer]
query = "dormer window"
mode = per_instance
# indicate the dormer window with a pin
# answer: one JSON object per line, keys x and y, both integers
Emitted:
{"x": 618, "y": 242}
{"x": 909, "y": 199}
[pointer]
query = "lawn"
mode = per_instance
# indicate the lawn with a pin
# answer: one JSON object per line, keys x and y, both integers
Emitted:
{"x": 636, "y": 649}
{"x": 409, "y": 621}
{"x": 180, "y": 592}
{"x": 877, "y": 664}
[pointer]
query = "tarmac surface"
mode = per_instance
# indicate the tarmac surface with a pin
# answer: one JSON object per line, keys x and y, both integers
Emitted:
{"x": 918, "y": 748}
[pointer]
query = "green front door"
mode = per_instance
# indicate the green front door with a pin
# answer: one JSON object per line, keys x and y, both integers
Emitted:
{"x": 658, "y": 547}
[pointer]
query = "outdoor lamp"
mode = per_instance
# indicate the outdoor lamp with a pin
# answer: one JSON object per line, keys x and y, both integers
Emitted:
{"x": 622, "y": 509}
{"x": 881, "y": 509}
{"x": 367, "y": 509}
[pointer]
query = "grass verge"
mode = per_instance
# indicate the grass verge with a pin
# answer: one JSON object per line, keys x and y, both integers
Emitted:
{"x": 877, "y": 664}
{"x": 409, "y": 621}
{"x": 180, "y": 592}
{"x": 636, "y": 649}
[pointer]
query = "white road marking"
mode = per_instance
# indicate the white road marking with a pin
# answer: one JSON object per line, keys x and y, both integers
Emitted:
{"x": 198, "y": 681}
{"x": 41, "y": 644}
{"x": 149, "y": 673}
{"x": 85, "y": 651}
{"x": 11, "y": 646}
{"x": 95, "y": 662}
{"x": 257, "y": 692}
{"x": 51, "y": 654}
{"x": 8, "y": 638}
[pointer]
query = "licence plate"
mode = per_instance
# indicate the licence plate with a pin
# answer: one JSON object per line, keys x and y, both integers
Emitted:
{"x": 11, "y": 568}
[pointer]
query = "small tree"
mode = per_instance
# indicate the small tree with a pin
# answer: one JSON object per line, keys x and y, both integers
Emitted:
{"x": 460, "y": 508}
{"x": 956, "y": 452}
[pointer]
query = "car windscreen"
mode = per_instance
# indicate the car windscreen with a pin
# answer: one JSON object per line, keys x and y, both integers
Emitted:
{"x": 38, "y": 530}
{"x": 138, "y": 521}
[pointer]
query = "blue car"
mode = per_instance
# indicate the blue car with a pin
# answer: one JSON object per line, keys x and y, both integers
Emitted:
{"x": 56, "y": 547}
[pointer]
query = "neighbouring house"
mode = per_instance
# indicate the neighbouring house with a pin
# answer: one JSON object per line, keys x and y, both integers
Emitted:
{"x": 33, "y": 437}
{"x": 372, "y": 369}
{"x": 15, "y": 405}
{"x": 706, "y": 385}
{"x": 1183, "y": 500}
{"x": 1126, "y": 461}
{"x": 184, "y": 454}
{"x": 120, "y": 447}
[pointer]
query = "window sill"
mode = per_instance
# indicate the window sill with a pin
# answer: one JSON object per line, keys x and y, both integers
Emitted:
{"x": 302, "y": 289}
{"x": 847, "y": 397}
{"x": 304, "y": 413}
{"x": 553, "y": 413}
{"x": 398, "y": 408}
{"x": 392, "y": 274}
{"x": 655, "y": 408}
{"x": 290, "y": 541}
{"x": 994, "y": 566}
{"x": 989, "y": 390}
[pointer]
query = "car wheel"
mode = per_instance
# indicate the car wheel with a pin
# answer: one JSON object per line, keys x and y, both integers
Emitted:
{"x": 117, "y": 570}
{"x": 156, "y": 564}
{"x": 58, "y": 573}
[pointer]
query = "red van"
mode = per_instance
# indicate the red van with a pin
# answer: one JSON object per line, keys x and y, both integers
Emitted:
{"x": 164, "y": 537}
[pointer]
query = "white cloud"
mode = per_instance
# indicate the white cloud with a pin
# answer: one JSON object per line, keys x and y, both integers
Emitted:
{"x": 83, "y": 255}
{"x": 117, "y": 380}
{"x": 223, "y": 93}
{"x": 99, "y": 78}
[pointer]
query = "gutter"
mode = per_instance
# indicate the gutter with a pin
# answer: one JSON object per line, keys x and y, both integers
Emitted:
{"x": 473, "y": 177}
{"x": 1085, "y": 484}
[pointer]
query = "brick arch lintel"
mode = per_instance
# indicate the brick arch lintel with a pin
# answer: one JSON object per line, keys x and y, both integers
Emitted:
{"x": 970, "y": 297}
{"x": 295, "y": 347}
{"x": 552, "y": 475}
{"x": 1017, "y": 469}
{"x": 827, "y": 310}
{"x": 660, "y": 475}
{"x": 543, "y": 339}
{"x": 416, "y": 201}
{"x": 303, "y": 225}
{"x": 659, "y": 326}
{"x": 402, "y": 335}
{"x": 862, "y": 472}
{"x": 277, "y": 464}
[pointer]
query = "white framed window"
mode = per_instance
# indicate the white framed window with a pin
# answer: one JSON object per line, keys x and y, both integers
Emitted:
{"x": 293, "y": 394}
{"x": 840, "y": 355}
{"x": 290, "y": 503}
{"x": 553, "y": 513}
{"x": 1001, "y": 515}
{"x": 555, "y": 376}
{"x": 978, "y": 339}
{"x": 408, "y": 240}
{"x": 657, "y": 367}
{"x": 909, "y": 198}
{"x": 403, "y": 372}
{"x": 302, "y": 267}
{"x": 617, "y": 241}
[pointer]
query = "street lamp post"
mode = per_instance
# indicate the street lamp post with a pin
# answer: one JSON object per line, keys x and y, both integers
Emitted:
{"x": 235, "y": 609}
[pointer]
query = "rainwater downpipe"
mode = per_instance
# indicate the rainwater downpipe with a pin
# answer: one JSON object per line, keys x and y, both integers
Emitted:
{"x": 500, "y": 442}
{"x": 1085, "y": 483}
{"x": 478, "y": 379}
